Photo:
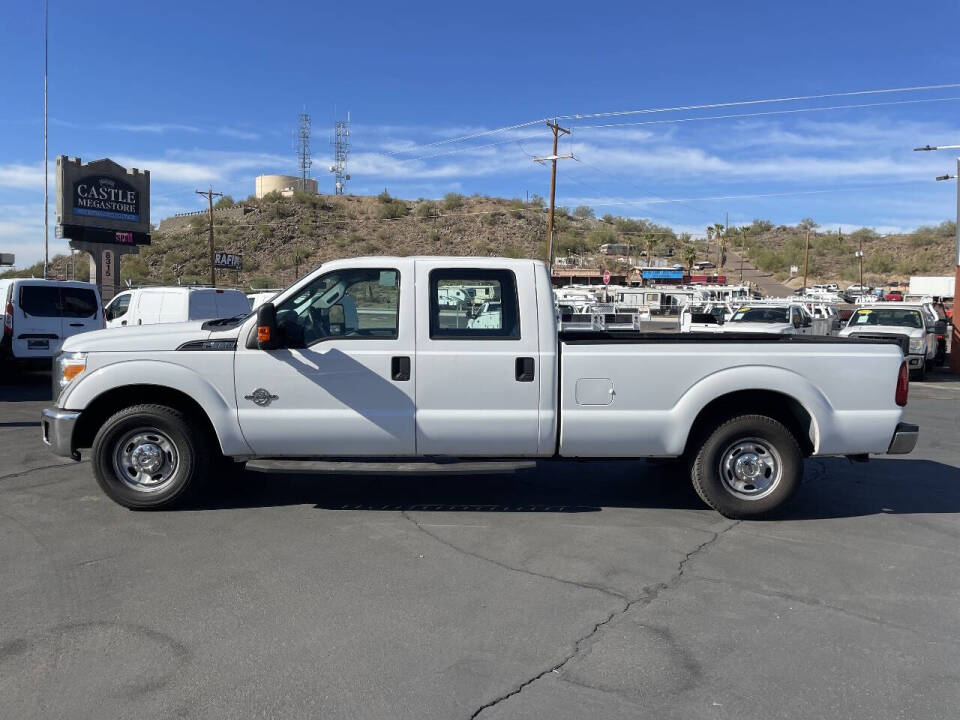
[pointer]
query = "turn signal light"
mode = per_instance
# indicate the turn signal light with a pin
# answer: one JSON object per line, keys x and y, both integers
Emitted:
{"x": 903, "y": 385}
{"x": 263, "y": 333}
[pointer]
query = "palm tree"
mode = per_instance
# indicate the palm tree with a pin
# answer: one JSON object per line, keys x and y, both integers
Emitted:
{"x": 718, "y": 230}
{"x": 689, "y": 256}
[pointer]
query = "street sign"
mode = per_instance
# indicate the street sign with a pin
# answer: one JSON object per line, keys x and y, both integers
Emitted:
{"x": 229, "y": 261}
{"x": 6, "y": 259}
{"x": 606, "y": 277}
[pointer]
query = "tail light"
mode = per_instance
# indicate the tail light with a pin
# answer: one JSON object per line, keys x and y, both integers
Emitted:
{"x": 903, "y": 385}
{"x": 8, "y": 319}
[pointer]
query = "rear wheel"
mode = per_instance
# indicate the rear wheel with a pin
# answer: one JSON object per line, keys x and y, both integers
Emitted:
{"x": 747, "y": 467}
{"x": 150, "y": 456}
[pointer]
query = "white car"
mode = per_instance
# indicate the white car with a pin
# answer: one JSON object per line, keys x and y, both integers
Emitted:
{"x": 914, "y": 326}
{"x": 406, "y": 384}
{"x": 153, "y": 305}
{"x": 775, "y": 319}
{"x": 259, "y": 298}
{"x": 38, "y": 315}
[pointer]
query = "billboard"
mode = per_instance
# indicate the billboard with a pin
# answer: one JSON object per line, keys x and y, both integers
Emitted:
{"x": 229, "y": 261}
{"x": 102, "y": 202}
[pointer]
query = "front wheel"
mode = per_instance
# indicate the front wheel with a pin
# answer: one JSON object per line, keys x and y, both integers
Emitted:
{"x": 150, "y": 457}
{"x": 747, "y": 467}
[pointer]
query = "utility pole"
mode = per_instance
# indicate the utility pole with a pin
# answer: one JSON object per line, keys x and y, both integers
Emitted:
{"x": 743, "y": 251}
{"x": 557, "y": 131}
{"x": 860, "y": 255}
{"x": 46, "y": 181}
{"x": 806, "y": 259}
{"x": 209, "y": 193}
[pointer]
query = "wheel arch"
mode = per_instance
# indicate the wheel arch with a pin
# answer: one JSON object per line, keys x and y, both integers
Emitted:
{"x": 115, "y": 399}
{"x": 780, "y": 406}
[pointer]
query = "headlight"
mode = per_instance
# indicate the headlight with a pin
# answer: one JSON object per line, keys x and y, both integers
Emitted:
{"x": 916, "y": 346}
{"x": 69, "y": 366}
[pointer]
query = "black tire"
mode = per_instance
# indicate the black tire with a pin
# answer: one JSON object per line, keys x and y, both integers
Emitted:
{"x": 159, "y": 434}
{"x": 919, "y": 374}
{"x": 762, "y": 443}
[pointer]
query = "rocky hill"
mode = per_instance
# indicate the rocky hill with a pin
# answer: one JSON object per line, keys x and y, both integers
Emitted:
{"x": 280, "y": 238}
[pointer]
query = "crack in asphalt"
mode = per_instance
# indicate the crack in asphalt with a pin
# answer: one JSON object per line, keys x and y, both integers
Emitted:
{"x": 21, "y": 473}
{"x": 820, "y": 604}
{"x": 647, "y": 595}
{"x": 583, "y": 586}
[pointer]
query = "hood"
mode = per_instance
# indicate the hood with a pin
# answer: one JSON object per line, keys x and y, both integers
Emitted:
{"x": 163, "y": 336}
{"x": 882, "y": 330}
{"x": 752, "y": 327}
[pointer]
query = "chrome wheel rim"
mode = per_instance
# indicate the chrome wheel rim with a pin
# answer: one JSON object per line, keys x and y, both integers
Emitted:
{"x": 145, "y": 460}
{"x": 750, "y": 468}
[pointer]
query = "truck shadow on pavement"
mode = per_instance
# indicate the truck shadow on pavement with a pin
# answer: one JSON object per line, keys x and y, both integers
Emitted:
{"x": 832, "y": 488}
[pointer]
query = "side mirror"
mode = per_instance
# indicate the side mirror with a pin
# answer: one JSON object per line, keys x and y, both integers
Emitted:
{"x": 940, "y": 327}
{"x": 267, "y": 337}
{"x": 797, "y": 322}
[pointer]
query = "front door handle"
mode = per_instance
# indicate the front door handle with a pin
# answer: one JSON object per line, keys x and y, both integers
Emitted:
{"x": 524, "y": 369}
{"x": 400, "y": 368}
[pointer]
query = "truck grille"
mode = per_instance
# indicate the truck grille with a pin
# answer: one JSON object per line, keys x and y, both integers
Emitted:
{"x": 902, "y": 340}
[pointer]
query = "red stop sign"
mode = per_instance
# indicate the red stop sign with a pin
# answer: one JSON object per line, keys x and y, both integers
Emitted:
{"x": 606, "y": 277}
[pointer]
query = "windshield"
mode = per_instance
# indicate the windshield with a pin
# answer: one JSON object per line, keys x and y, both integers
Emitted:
{"x": 895, "y": 318}
{"x": 761, "y": 315}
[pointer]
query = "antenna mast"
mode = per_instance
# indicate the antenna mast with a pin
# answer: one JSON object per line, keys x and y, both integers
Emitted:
{"x": 303, "y": 150}
{"x": 341, "y": 148}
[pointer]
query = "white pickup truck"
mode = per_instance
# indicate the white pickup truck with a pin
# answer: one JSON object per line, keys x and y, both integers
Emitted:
{"x": 361, "y": 365}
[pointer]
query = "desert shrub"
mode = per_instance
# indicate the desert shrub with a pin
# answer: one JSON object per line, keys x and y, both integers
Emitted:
{"x": 452, "y": 201}
{"x": 393, "y": 209}
{"x": 583, "y": 212}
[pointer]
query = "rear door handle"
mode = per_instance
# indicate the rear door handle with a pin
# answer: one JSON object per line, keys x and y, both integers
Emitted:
{"x": 76, "y": 324}
{"x": 400, "y": 368}
{"x": 525, "y": 369}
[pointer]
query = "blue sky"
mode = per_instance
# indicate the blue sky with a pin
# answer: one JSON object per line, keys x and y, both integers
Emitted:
{"x": 209, "y": 94}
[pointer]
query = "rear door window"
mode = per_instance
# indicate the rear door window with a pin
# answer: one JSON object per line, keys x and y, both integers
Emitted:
{"x": 78, "y": 302}
{"x": 40, "y": 300}
{"x": 490, "y": 312}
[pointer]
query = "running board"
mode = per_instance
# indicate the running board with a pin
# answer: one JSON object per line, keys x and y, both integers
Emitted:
{"x": 365, "y": 467}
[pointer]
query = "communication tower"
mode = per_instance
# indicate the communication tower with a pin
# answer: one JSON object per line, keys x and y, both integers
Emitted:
{"x": 341, "y": 148}
{"x": 303, "y": 149}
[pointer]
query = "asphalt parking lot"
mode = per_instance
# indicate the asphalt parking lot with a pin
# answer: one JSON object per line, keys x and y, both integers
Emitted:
{"x": 575, "y": 590}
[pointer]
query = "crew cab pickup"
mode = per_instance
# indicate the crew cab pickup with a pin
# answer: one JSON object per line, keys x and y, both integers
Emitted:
{"x": 362, "y": 363}
{"x": 915, "y": 326}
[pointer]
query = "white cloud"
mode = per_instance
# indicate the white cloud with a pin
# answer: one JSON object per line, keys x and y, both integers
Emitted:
{"x": 238, "y": 133}
{"x": 22, "y": 176}
{"x": 154, "y": 128}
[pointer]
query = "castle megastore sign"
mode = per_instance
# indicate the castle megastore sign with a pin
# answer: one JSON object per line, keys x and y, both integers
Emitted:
{"x": 106, "y": 197}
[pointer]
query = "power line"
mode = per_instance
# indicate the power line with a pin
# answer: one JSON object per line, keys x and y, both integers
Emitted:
{"x": 769, "y": 112}
{"x": 617, "y": 113}
{"x": 740, "y": 103}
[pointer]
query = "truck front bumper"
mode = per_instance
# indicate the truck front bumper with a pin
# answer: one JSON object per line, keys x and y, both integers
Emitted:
{"x": 904, "y": 439}
{"x": 58, "y": 428}
{"x": 915, "y": 361}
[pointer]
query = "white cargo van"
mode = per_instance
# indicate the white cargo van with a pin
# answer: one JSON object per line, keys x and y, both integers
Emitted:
{"x": 38, "y": 315}
{"x": 150, "y": 306}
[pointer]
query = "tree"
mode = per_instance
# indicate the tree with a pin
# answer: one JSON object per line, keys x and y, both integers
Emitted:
{"x": 225, "y": 202}
{"x": 808, "y": 224}
{"x": 583, "y": 212}
{"x": 689, "y": 257}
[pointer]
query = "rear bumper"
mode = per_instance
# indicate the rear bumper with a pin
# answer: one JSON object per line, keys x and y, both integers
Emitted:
{"x": 904, "y": 439}
{"x": 57, "y": 426}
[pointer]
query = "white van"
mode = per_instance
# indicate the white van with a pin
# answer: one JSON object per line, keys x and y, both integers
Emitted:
{"x": 38, "y": 315}
{"x": 149, "y": 306}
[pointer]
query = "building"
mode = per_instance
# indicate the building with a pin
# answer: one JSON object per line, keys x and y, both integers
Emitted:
{"x": 279, "y": 183}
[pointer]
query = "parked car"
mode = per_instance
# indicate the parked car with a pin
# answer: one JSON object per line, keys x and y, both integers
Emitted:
{"x": 893, "y": 295}
{"x": 153, "y": 305}
{"x": 39, "y": 315}
{"x": 911, "y": 325}
{"x": 857, "y": 289}
{"x": 788, "y": 318}
{"x": 259, "y": 298}
{"x": 286, "y": 389}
